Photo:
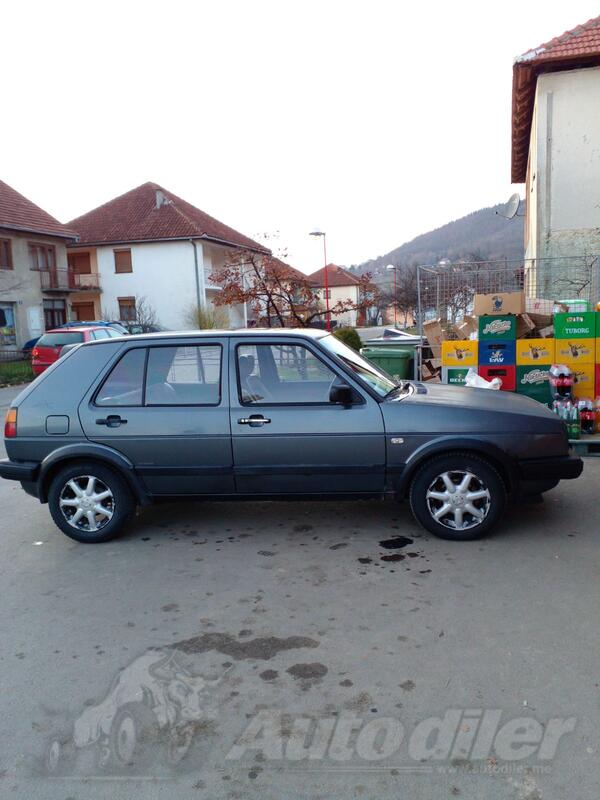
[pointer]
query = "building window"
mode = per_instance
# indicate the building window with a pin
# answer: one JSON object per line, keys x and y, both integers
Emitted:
{"x": 123, "y": 261}
{"x": 5, "y": 254}
{"x": 126, "y": 309}
{"x": 55, "y": 313}
{"x": 80, "y": 263}
{"x": 42, "y": 256}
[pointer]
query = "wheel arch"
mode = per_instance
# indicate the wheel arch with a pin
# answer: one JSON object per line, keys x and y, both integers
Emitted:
{"x": 64, "y": 456}
{"x": 488, "y": 451}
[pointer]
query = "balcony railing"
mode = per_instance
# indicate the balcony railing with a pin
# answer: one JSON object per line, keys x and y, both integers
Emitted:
{"x": 66, "y": 280}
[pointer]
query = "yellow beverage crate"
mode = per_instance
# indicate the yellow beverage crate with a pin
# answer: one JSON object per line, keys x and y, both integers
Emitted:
{"x": 535, "y": 351}
{"x": 575, "y": 351}
{"x": 598, "y": 351}
{"x": 462, "y": 353}
{"x": 585, "y": 376}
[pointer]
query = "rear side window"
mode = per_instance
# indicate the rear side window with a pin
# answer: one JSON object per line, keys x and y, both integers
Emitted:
{"x": 100, "y": 333}
{"x": 124, "y": 385}
{"x": 59, "y": 339}
{"x": 184, "y": 376}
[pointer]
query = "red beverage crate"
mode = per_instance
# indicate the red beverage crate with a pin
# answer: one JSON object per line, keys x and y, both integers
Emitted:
{"x": 507, "y": 374}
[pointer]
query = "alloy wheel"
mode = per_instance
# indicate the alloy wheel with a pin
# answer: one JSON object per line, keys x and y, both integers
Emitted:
{"x": 87, "y": 503}
{"x": 458, "y": 499}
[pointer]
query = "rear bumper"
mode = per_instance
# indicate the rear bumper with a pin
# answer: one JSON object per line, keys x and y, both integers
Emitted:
{"x": 558, "y": 468}
{"x": 18, "y": 470}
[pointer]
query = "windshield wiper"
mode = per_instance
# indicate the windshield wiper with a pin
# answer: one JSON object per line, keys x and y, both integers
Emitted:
{"x": 400, "y": 387}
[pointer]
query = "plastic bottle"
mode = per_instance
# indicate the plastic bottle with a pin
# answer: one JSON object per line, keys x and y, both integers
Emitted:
{"x": 597, "y": 410}
{"x": 575, "y": 426}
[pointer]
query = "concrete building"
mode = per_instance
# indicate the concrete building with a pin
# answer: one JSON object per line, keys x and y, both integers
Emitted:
{"x": 151, "y": 244}
{"x": 36, "y": 285}
{"x": 556, "y": 146}
{"x": 343, "y": 287}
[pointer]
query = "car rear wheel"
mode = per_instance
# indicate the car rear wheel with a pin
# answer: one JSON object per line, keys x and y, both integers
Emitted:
{"x": 90, "y": 502}
{"x": 458, "y": 496}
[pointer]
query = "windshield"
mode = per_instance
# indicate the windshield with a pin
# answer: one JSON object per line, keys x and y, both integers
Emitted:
{"x": 376, "y": 378}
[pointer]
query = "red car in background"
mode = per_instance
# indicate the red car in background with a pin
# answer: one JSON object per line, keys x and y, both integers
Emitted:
{"x": 48, "y": 347}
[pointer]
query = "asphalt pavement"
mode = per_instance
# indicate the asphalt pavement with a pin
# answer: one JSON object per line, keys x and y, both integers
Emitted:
{"x": 301, "y": 650}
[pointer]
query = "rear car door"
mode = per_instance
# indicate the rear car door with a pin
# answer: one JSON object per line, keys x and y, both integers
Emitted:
{"x": 164, "y": 406}
{"x": 288, "y": 438}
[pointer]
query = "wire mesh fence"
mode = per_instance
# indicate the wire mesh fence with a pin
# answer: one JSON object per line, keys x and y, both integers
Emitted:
{"x": 446, "y": 291}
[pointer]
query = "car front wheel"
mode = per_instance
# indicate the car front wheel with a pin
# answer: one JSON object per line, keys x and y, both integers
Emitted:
{"x": 457, "y": 496}
{"x": 90, "y": 502}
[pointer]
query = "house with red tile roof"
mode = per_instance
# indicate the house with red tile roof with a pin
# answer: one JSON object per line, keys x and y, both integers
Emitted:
{"x": 555, "y": 144}
{"x": 35, "y": 283}
{"x": 342, "y": 286}
{"x": 148, "y": 243}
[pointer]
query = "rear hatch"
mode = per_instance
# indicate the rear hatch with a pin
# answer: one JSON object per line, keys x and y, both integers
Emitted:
{"x": 48, "y": 348}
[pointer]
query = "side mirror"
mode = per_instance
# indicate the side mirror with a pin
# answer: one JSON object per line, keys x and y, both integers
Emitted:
{"x": 341, "y": 393}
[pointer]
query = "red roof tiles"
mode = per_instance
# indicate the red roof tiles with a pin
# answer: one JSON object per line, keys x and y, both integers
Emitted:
{"x": 20, "y": 214}
{"x": 336, "y": 276}
{"x": 151, "y": 213}
{"x": 574, "y": 49}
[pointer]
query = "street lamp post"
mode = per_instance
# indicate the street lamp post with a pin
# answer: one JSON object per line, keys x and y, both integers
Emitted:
{"x": 318, "y": 232}
{"x": 395, "y": 268}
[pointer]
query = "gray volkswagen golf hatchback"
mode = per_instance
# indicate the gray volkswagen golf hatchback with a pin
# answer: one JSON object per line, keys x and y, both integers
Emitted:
{"x": 269, "y": 414}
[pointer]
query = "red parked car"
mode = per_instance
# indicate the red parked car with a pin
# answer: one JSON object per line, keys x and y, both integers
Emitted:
{"x": 48, "y": 347}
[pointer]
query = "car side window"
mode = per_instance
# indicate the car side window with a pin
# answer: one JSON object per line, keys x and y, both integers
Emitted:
{"x": 100, "y": 334}
{"x": 188, "y": 375}
{"x": 282, "y": 374}
{"x": 124, "y": 385}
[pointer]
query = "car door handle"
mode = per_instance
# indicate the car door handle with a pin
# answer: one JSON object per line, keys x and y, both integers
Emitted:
{"x": 255, "y": 421}
{"x": 112, "y": 421}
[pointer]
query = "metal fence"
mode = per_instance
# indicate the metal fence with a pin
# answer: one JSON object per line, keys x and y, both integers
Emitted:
{"x": 15, "y": 367}
{"x": 446, "y": 290}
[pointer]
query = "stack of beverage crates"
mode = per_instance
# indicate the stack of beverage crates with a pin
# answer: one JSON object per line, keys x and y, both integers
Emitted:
{"x": 524, "y": 364}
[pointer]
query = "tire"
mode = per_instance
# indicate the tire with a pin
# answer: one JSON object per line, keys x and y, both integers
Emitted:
{"x": 110, "y": 507}
{"x": 435, "y": 485}
{"x": 133, "y": 733}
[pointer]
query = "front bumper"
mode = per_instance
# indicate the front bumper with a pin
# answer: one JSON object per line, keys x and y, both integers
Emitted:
{"x": 18, "y": 470}
{"x": 557, "y": 468}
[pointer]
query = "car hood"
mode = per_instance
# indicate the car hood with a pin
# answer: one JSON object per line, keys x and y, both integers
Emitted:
{"x": 440, "y": 408}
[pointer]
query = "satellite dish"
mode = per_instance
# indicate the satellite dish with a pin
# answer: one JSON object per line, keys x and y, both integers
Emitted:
{"x": 510, "y": 209}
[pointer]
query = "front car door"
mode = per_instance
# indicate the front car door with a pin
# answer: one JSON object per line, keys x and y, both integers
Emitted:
{"x": 164, "y": 406}
{"x": 288, "y": 438}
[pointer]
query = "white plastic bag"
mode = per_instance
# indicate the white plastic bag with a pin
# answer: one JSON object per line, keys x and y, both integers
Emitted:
{"x": 475, "y": 381}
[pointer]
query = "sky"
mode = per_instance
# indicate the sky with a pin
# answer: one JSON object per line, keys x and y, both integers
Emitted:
{"x": 374, "y": 121}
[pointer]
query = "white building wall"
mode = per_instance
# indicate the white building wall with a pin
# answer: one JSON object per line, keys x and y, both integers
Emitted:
{"x": 565, "y": 164}
{"x": 163, "y": 273}
{"x": 342, "y": 294}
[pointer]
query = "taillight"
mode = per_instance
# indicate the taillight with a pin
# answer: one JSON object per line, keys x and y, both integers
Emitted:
{"x": 35, "y": 352}
{"x": 10, "y": 424}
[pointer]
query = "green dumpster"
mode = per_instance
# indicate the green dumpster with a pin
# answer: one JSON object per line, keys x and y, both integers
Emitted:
{"x": 393, "y": 360}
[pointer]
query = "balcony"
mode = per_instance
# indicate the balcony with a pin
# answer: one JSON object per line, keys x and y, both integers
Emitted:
{"x": 67, "y": 280}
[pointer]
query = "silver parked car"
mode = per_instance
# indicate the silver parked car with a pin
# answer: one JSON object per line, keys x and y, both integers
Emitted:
{"x": 269, "y": 414}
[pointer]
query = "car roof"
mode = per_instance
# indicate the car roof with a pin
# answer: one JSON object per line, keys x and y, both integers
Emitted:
{"x": 74, "y": 329}
{"x": 299, "y": 333}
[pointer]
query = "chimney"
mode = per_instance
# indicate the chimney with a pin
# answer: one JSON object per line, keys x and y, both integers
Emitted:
{"x": 161, "y": 200}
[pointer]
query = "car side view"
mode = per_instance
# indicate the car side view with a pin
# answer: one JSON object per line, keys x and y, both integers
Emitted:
{"x": 269, "y": 414}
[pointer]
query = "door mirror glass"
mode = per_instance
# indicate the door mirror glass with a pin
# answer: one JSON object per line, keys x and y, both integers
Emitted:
{"x": 341, "y": 393}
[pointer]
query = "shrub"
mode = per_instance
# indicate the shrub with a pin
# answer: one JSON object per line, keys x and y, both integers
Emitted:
{"x": 348, "y": 336}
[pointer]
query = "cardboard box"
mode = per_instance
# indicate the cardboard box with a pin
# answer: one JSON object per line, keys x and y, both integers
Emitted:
{"x": 575, "y": 326}
{"x": 497, "y": 326}
{"x": 499, "y": 303}
{"x": 525, "y": 326}
{"x": 585, "y": 381}
{"x": 467, "y": 329}
{"x": 535, "y": 351}
{"x": 435, "y": 336}
{"x": 536, "y": 305}
{"x": 534, "y": 382}
{"x": 500, "y": 353}
{"x": 454, "y": 376}
{"x": 508, "y": 375}
{"x": 461, "y": 353}
{"x": 575, "y": 351}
